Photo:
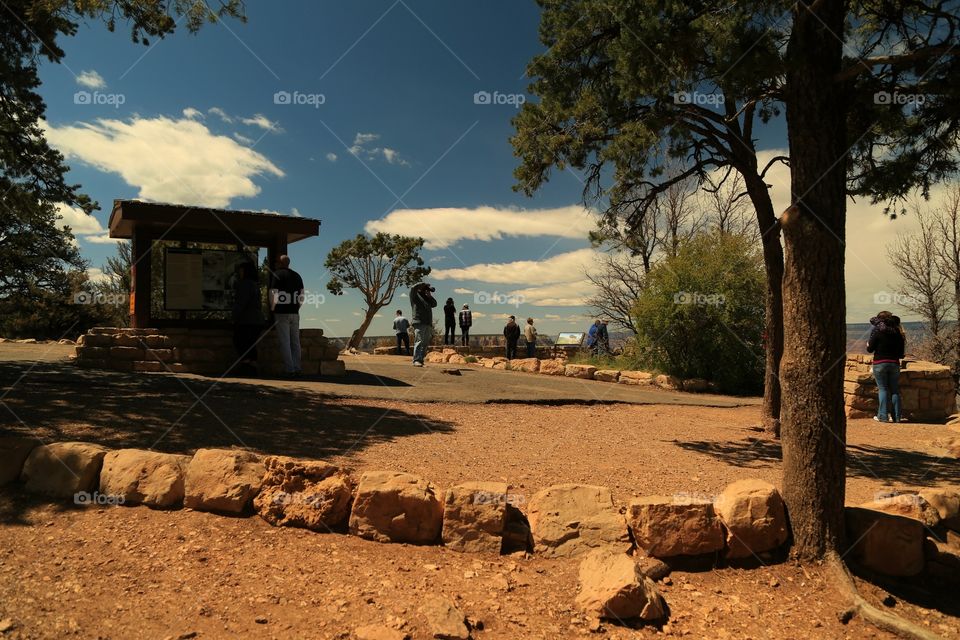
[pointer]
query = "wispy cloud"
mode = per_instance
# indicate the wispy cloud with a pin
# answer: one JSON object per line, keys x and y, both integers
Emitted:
{"x": 91, "y": 79}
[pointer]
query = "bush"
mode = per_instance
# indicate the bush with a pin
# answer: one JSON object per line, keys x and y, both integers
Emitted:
{"x": 702, "y": 313}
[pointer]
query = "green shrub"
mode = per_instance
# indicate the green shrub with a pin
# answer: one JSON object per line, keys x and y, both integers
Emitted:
{"x": 702, "y": 313}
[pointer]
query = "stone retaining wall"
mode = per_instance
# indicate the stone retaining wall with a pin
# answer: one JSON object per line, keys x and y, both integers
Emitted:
{"x": 927, "y": 390}
{"x": 203, "y": 351}
{"x": 904, "y": 535}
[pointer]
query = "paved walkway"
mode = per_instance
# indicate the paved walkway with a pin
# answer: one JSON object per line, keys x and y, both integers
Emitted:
{"x": 394, "y": 378}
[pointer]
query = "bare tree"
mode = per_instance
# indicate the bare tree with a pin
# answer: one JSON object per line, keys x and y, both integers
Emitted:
{"x": 677, "y": 205}
{"x": 727, "y": 209}
{"x": 923, "y": 284}
{"x": 619, "y": 281}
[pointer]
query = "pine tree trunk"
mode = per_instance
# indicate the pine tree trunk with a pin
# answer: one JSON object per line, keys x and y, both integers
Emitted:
{"x": 357, "y": 336}
{"x": 814, "y": 306}
{"x": 773, "y": 302}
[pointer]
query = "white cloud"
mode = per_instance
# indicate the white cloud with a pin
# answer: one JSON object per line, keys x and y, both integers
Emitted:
{"x": 192, "y": 114}
{"x": 168, "y": 160}
{"x": 80, "y": 223}
{"x": 242, "y": 139}
{"x": 563, "y": 267}
{"x": 563, "y": 294}
{"x": 463, "y": 291}
{"x": 96, "y": 275}
{"x": 438, "y": 259}
{"x": 260, "y": 120}
{"x": 220, "y": 113}
{"x": 91, "y": 79}
{"x": 295, "y": 212}
{"x": 445, "y": 226}
{"x": 331, "y": 319}
{"x": 332, "y": 157}
{"x": 361, "y": 147}
{"x": 101, "y": 239}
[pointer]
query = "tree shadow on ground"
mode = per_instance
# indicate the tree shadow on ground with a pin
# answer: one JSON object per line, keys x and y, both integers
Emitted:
{"x": 57, "y": 402}
{"x": 904, "y": 466}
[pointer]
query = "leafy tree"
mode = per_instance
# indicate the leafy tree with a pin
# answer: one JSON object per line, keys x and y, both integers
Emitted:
{"x": 700, "y": 314}
{"x": 870, "y": 95}
{"x": 664, "y": 94}
{"x": 36, "y": 253}
{"x": 376, "y": 267}
{"x": 114, "y": 289}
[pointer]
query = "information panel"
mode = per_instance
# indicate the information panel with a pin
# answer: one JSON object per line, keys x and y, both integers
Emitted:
{"x": 201, "y": 279}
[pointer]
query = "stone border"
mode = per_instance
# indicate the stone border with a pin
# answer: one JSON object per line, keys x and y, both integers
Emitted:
{"x": 900, "y": 535}
{"x": 560, "y": 367}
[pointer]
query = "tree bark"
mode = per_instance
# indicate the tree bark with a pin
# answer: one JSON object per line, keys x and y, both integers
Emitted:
{"x": 357, "y": 336}
{"x": 814, "y": 305}
{"x": 773, "y": 303}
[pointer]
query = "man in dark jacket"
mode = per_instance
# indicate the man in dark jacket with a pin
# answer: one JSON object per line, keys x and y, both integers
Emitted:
{"x": 422, "y": 302}
{"x": 286, "y": 296}
{"x": 466, "y": 321}
{"x": 512, "y": 333}
{"x": 887, "y": 344}
{"x": 449, "y": 322}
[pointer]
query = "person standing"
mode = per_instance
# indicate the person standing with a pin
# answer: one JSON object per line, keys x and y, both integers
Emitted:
{"x": 603, "y": 339}
{"x": 449, "y": 322}
{"x": 592, "y": 336}
{"x": 247, "y": 318}
{"x": 422, "y": 302}
{"x": 887, "y": 343}
{"x": 400, "y": 327}
{"x": 286, "y": 296}
{"x": 466, "y": 321}
{"x": 530, "y": 335}
{"x": 511, "y": 331}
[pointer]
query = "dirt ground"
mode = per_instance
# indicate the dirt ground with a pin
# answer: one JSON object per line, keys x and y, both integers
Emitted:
{"x": 132, "y": 572}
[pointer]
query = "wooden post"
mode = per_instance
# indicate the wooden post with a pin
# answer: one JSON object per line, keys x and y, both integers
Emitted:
{"x": 140, "y": 255}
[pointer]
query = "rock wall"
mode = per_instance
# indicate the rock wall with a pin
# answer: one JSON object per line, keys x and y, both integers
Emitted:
{"x": 928, "y": 391}
{"x": 203, "y": 351}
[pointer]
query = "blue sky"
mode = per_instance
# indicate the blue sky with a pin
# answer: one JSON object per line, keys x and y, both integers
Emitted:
{"x": 398, "y": 138}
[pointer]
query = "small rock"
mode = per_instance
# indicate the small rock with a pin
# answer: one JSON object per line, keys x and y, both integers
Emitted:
{"x": 260, "y": 620}
{"x": 378, "y": 632}
{"x": 444, "y": 620}
{"x": 612, "y": 586}
{"x": 7, "y": 624}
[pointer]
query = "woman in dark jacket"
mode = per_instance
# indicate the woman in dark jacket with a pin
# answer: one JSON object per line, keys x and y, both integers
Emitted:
{"x": 247, "y": 318}
{"x": 449, "y": 322}
{"x": 887, "y": 344}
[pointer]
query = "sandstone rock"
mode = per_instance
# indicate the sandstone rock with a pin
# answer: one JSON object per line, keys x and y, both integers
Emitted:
{"x": 436, "y": 357}
{"x": 611, "y": 585}
{"x": 671, "y": 383}
{"x": 607, "y": 375}
{"x": 396, "y": 507}
{"x": 63, "y": 469}
{"x": 947, "y": 504}
{"x": 501, "y": 365}
{"x": 449, "y": 352}
{"x": 13, "y": 453}
{"x": 909, "y": 505}
{"x": 696, "y": 385}
{"x": 384, "y": 351}
{"x": 635, "y": 377}
{"x": 378, "y": 632}
{"x": 888, "y": 544}
{"x": 444, "y": 620}
{"x": 552, "y": 368}
{"x": 584, "y": 371}
{"x": 457, "y": 359}
{"x": 530, "y": 365}
{"x": 754, "y": 515}
{"x": 653, "y": 568}
{"x": 666, "y": 527}
{"x": 144, "y": 477}
{"x": 571, "y": 519}
{"x": 222, "y": 480}
{"x": 311, "y": 494}
{"x": 474, "y": 516}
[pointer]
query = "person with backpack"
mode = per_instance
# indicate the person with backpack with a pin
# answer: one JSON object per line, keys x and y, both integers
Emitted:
{"x": 511, "y": 331}
{"x": 422, "y": 303}
{"x": 449, "y": 322}
{"x": 887, "y": 343}
{"x": 466, "y": 321}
